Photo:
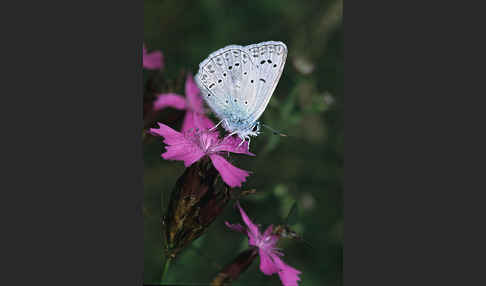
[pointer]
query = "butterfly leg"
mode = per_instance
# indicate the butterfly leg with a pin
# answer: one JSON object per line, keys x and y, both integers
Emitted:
{"x": 231, "y": 134}
{"x": 241, "y": 143}
{"x": 216, "y": 126}
{"x": 249, "y": 140}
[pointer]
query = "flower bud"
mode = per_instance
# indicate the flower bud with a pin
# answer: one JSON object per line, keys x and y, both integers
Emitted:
{"x": 233, "y": 270}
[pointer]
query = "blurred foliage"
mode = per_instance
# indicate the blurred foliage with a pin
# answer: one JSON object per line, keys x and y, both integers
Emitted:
{"x": 308, "y": 105}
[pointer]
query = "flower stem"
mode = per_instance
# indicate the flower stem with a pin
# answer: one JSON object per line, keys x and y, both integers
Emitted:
{"x": 165, "y": 269}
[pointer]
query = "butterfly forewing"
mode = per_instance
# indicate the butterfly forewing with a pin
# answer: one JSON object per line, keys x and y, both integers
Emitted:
{"x": 237, "y": 82}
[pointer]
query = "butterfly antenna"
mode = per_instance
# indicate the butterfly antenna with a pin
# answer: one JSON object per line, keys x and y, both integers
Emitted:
{"x": 275, "y": 132}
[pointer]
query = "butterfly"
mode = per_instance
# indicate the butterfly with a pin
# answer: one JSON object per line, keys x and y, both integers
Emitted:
{"x": 237, "y": 83}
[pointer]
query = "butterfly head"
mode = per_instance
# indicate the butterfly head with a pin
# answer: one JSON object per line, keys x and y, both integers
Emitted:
{"x": 253, "y": 130}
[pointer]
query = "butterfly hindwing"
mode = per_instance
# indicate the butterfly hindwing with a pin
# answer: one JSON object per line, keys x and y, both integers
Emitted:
{"x": 270, "y": 60}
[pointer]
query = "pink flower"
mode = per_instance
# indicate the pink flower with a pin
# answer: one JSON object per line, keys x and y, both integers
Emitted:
{"x": 270, "y": 261}
{"x": 192, "y": 145}
{"x": 153, "y": 60}
{"x": 193, "y": 103}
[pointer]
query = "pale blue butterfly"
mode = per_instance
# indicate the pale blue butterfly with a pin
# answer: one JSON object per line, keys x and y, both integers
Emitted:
{"x": 237, "y": 83}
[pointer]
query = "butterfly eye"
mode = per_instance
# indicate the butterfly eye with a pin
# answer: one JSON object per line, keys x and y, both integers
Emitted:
{"x": 255, "y": 128}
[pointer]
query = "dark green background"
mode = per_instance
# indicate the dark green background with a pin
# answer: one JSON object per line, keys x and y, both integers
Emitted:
{"x": 307, "y": 166}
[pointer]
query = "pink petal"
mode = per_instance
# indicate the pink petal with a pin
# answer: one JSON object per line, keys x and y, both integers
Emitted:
{"x": 169, "y": 100}
{"x": 153, "y": 60}
{"x": 253, "y": 231}
{"x": 272, "y": 241}
{"x": 188, "y": 153}
{"x": 268, "y": 231}
{"x": 192, "y": 94}
{"x": 267, "y": 265}
{"x": 196, "y": 121}
{"x": 230, "y": 144}
{"x": 231, "y": 175}
{"x": 179, "y": 147}
{"x": 171, "y": 137}
{"x": 236, "y": 226}
{"x": 288, "y": 275}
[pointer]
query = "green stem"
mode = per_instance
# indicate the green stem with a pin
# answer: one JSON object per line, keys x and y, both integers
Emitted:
{"x": 166, "y": 268}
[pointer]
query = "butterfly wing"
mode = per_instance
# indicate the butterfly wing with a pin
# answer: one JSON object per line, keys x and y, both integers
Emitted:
{"x": 237, "y": 84}
{"x": 270, "y": 59}
{"x": 223, "y": 80}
